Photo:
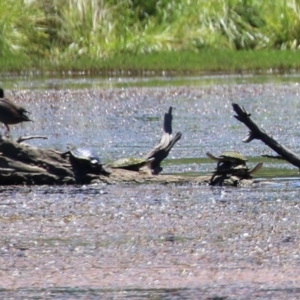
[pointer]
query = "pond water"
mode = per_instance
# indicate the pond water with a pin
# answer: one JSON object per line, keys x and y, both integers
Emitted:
{"x": 155, "y": 241}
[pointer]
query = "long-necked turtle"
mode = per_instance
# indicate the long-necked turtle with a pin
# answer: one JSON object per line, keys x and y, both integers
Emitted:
{"x": 86, "y": 160}
{"x": 131, "y": 164}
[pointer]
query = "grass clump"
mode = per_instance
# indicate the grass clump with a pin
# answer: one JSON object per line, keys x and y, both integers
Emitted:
{"x": 60, "y": 34}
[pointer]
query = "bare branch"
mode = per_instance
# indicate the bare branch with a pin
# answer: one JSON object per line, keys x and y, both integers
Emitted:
{"x": 162, "y": 149}
{"x": 31, "y": 137}
{"x": 258, "y": 133}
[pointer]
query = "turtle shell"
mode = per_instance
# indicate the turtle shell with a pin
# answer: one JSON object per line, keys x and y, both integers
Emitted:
{"x": 228, "y": 156}
{"x": 232, "y": 155}
{"x": 127, "y": 162}
{"x": 85, "y": 155}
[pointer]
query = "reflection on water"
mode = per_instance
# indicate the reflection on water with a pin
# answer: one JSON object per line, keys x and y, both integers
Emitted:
{"x": 154, "y": 241}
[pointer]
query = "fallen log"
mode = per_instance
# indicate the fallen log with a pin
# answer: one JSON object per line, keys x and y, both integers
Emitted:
{"x": 257, "y": 133}
{"x": 21, "y": 163}
{"x": 25, "y": 164}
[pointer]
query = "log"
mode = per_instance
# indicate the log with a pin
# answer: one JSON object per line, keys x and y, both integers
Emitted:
{"x": 21, "y": 163}
{"x": 257, "y": 133}
{"x": 25, "y": 164}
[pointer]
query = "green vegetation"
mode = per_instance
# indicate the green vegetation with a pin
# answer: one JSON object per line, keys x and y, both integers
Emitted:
{"x": 184, "y": 35}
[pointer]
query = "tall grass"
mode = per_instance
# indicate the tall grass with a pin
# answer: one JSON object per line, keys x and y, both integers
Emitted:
{"x": 67, "y": 30}
{"x": 21, "y": 30}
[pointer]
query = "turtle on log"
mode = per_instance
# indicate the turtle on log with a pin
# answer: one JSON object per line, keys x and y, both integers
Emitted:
{"x": 151, "y": 163}
{"x": 130, "y": 163}
{"x": 85, "y": 161}
{"x": 231, "y": 164}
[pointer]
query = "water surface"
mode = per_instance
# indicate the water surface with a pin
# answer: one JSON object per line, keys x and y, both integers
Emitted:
{"x": 155, "y": 241}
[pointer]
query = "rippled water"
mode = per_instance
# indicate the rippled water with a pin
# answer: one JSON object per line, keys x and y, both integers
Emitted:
{"x": 124, "y": 118}
{"x": 155, "y": 241}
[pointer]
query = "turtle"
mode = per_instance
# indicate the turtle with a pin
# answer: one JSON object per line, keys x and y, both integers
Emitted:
{"x": 231, "y": 163}
{"x": 232, "y": 157}
{"x": 85, "y": 160}
{"x": 240, "y": 170}
{"x": 131, "y": 164}
{"x": 236, "y": 174}
{"x": 84, "y": 154}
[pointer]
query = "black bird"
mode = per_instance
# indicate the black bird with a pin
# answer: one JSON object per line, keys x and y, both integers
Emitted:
{"x": 11, "y": 113}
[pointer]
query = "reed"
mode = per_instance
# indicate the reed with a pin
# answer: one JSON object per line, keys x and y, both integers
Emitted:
{"x": 57, "y": 33}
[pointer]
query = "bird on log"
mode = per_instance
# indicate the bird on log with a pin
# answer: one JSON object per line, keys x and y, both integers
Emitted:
{"x": 11, "y": 113}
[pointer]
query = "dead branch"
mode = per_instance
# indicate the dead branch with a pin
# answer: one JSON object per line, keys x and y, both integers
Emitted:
{"x": 163, "y": 148}
{"x": 31, "y": 137}
{"x": 258, "y": 133}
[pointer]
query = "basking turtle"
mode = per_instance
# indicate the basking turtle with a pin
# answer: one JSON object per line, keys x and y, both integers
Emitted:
{"x": 85, "y": 160}
{"x": 240, "y": 170}
{"x": 231, "y": 163}
{"x": 235, "y": 174}
{"x": 232, "y": 157}
{"x": 131, "y": 164}
{"x": 85, "y": 155}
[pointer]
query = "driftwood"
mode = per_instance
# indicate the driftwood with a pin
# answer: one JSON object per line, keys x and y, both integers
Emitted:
{"x": 162, "y": 149}
{"x": 257, "y": 133}
{"x": 21, "y": 163}
{"x": 24, "y": 164}
{"x": 151, "y": 163}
